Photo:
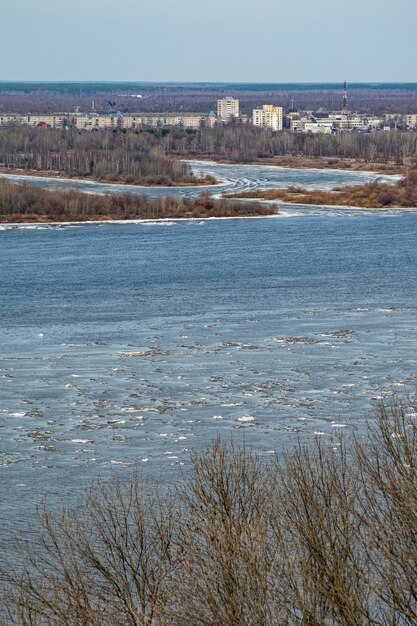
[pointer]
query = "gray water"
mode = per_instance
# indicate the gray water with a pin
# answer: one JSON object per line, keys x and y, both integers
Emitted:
{"x": 125, "y": 346}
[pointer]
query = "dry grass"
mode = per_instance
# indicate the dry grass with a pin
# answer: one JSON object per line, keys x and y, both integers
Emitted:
{"x": 371, "y": 196}
{"x": 28, "y": 203}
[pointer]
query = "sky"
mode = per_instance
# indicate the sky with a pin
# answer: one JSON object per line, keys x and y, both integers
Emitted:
{"x": 210, "y": 41}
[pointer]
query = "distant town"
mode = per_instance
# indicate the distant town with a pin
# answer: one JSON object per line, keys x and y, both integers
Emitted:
{"x": 228, "y": 111}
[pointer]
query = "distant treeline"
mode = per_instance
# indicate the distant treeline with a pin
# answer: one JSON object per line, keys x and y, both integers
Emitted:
{"x": 28, "y": 203}
{"x": 246, "y": 143}
{"x": 152, "y": 155}
{"x": 134, "y": 157}
{"x": 50, "y": 97}
{"x": 373, "y": 195}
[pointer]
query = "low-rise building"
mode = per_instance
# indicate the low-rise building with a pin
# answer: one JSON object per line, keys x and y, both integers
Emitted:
{"x": 411, "y": 120}
{"x": 268, "y": 116}
{"x": 316, "y": 128}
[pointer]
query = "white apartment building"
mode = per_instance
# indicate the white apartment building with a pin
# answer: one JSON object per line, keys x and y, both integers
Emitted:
{"x": 268, "y": 117}
{"x": 337, "y": 122}
{"x": 318, "y": 129}
{"x": 227, "y": 108}
{"x": 411, "y": 120}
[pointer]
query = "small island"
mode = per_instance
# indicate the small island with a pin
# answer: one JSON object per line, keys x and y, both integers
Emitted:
{"x": 372, "y": 195}
{"x": 21, "y": 203}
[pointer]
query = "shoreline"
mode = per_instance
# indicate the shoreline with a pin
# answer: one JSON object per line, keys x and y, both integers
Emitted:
{"x": 166, "y": 220}
{"x": 323, "y": 163}
{"x": 173, "y": 221}
{"x": 6, "y": 172}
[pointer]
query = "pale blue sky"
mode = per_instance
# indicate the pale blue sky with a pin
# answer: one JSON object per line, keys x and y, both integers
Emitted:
{"x": 217, "y": 40}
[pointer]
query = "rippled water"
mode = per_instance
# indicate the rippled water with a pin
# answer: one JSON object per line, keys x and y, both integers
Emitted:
{"x": 127, "y": 346}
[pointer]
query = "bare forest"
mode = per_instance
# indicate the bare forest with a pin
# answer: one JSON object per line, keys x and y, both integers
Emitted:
{"x": 153, "y": 156}
{"x": 242, "y": 143}
{"x": 133, "y": 157}
{"x": 323, "y": 534}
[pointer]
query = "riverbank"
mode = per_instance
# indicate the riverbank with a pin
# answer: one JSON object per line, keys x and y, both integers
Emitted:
{"x": 163, "y": 181}
{"x": 372, "y": 195}
{"x": 302, "y": 162}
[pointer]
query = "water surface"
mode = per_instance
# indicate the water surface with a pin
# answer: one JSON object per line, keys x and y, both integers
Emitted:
{"x": 127, "y": 346}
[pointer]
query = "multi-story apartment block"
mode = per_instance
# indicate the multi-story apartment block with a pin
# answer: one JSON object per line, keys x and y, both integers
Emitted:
{"x": 190, "y": 120}
{"x": 95, "y": 120}
{"x": 227, "y": 108}
{"x": 411, "y": 120}
{"x": 6, "y": 119}
{"x": 268, "y": 117}
{"x": 53, "y": 121}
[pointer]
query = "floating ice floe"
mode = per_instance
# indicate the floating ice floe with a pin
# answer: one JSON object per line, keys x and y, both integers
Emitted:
{"x": 337, "y": 334}
{"x": 231, "y": 404}
{"x": 143, "y": 353}
{"x": 245, "y": 418}
{"x": 120, "y": 463}
{"x": 161, "y": 223}
{"x": 130, "y": 409}
{"x": 296, "y": 340}
{"x": 82, "y": 441}
{"x": 18, "y": 414}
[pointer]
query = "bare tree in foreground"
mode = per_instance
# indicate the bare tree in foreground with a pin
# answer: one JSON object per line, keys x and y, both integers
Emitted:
{"x": 325, "y": 534}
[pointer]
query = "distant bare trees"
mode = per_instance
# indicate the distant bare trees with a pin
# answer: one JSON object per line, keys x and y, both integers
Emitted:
{"x": 244, "y": 143}
{"x": 152, "y": 156}
{"x": 50, "y": 97}
{"x": 325, "y": 534}
{"x": 132, "y": 157}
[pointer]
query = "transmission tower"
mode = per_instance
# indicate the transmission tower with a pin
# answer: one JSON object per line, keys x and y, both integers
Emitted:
{"x": 345, "y": 98}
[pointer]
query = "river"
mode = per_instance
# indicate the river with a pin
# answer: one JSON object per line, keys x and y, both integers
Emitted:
{"x": 125, "y": 346}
